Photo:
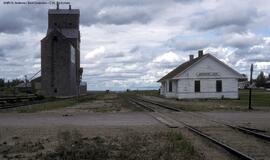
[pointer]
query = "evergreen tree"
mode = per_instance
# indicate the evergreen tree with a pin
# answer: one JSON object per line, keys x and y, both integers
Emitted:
{"x": 2, "y": 82}
{"x": 260, "y": 81}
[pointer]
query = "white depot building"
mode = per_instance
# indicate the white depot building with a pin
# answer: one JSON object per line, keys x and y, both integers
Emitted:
{"x": 203, "y": 77}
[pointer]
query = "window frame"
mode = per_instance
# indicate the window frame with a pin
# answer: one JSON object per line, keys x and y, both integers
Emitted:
{"x": 219, "y": 86}
{"x": 197, "y": 88}
{"x": 170, "y": 86}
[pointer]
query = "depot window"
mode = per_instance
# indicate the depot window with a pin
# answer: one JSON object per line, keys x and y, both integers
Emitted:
{"x": 170, "y": 86}
{"x": 219, "y": 85}
{"x": 197, "y": 87}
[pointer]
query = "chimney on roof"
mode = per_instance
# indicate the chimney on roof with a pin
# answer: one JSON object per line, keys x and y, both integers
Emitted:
{"x": 200, "y": 53}
{"x": 191, "y": 57}
{"x": 70, "y": 7}
{"x": 57, "y": 5}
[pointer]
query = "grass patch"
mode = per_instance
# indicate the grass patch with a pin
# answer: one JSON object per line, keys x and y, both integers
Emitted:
{"x": 134, "y": 146}
{"x": 46, "y": 106}
{"x": 260, "y": 101}
{"x": 260, "y": 98}
{"x": 54, "y": 104}
{"x": 182, "y": 145}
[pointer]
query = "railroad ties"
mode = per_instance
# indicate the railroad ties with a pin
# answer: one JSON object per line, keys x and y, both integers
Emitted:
{"x": 241, "y": 142}
{"x": 19, "y": 101}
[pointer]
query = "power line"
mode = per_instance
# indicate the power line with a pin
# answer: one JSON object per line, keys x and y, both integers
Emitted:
{"x": 34, "y": 75}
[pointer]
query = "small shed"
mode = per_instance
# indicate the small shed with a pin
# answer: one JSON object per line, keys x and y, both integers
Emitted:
{"x": 24, "y": 87}
{"x": 36, "y": 84}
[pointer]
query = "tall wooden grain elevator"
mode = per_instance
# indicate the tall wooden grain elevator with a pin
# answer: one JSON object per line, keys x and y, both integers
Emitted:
{"x": 60, "y": 54}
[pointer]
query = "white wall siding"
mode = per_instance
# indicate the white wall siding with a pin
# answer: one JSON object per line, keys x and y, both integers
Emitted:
{"x": 174, "y": 86}
{"x": 208, "y": 89}
{"x": 184, "y": 89}
{"x": 207, "y": 65}
{"x": 166, "y": 92}
{"x": 183, "y": 83}
{"x": 227, "y": 95}
{"x": 163, "y": 89}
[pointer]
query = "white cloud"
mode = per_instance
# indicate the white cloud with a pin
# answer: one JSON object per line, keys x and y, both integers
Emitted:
{"x": 168, "y": 57}
{"x": 95, "y": 53}
{"x": 262, "y": 65}
{"x": 242, "y": 40}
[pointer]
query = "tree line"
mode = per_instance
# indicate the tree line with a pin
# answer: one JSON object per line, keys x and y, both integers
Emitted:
{"x": 10, "y": 83}
{"x": 262, "y": 79}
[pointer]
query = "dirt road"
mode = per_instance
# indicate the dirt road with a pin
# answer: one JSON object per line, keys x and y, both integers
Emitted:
{"x": 79, "y": 119}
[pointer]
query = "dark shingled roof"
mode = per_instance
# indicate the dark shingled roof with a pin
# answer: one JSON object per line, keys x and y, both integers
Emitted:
{"x": 181, "y": 68}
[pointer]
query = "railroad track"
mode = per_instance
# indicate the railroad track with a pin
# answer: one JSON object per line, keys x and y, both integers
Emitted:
{"x": 21, "y": 104}
{"x": 251, "y": 145}
{"x": 254, "y": 132}
{"x": 14, "y": 102}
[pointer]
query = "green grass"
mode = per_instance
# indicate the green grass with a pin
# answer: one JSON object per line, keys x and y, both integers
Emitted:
{"x": 46, "y": 106}
{"x": 260, "y": 101}
{"x": 55, "y": 104}
{"x": 182, "y": 145}
{"x": 260, "y": 98}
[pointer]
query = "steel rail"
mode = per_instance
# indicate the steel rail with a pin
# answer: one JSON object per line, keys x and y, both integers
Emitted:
{"x": 242, "y": 129}
{"x": 144, "y": 106}
{"x": 167, "y": 107}
{"x": 233, "y": 151}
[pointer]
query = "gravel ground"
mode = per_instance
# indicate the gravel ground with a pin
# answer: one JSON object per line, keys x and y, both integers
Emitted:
{"x": 254, "y": 147}
{"x": 259, "y": 120}
{"x": 253, "y": 119}
{"x": 44, "y": 126}
{"x": 77, "y": 119}
{"x": 249, "y": 145}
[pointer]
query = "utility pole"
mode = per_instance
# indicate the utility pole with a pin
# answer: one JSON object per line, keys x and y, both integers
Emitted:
{"x": 26, "y": 87}
{"x": 250, "y": 87}
{"x": 25, "y": 79}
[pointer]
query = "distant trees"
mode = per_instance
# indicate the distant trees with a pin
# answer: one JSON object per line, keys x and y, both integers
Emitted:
{"x": 2, "y": 82}
{"x": 15, "y": 82}
{"x": 261, "y": 80}
{"x": 9, "y": 83}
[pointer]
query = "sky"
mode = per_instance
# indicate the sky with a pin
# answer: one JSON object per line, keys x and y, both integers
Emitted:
{"x": 133, "y": 43}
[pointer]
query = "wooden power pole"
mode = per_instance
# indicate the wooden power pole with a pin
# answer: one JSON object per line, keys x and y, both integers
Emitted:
{"x": 250, "y": 87}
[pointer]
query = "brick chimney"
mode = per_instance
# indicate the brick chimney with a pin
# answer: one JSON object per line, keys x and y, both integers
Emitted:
{"x": 200, "y": 53}
{"x": 191, "y": 57}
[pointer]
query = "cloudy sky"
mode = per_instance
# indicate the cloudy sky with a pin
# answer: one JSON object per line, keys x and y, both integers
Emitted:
{"x": 133, "y": 43}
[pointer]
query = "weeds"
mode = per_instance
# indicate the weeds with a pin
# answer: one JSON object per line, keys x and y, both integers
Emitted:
{"x": 71, "y": 145}
{"x": 165, "y": 146}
